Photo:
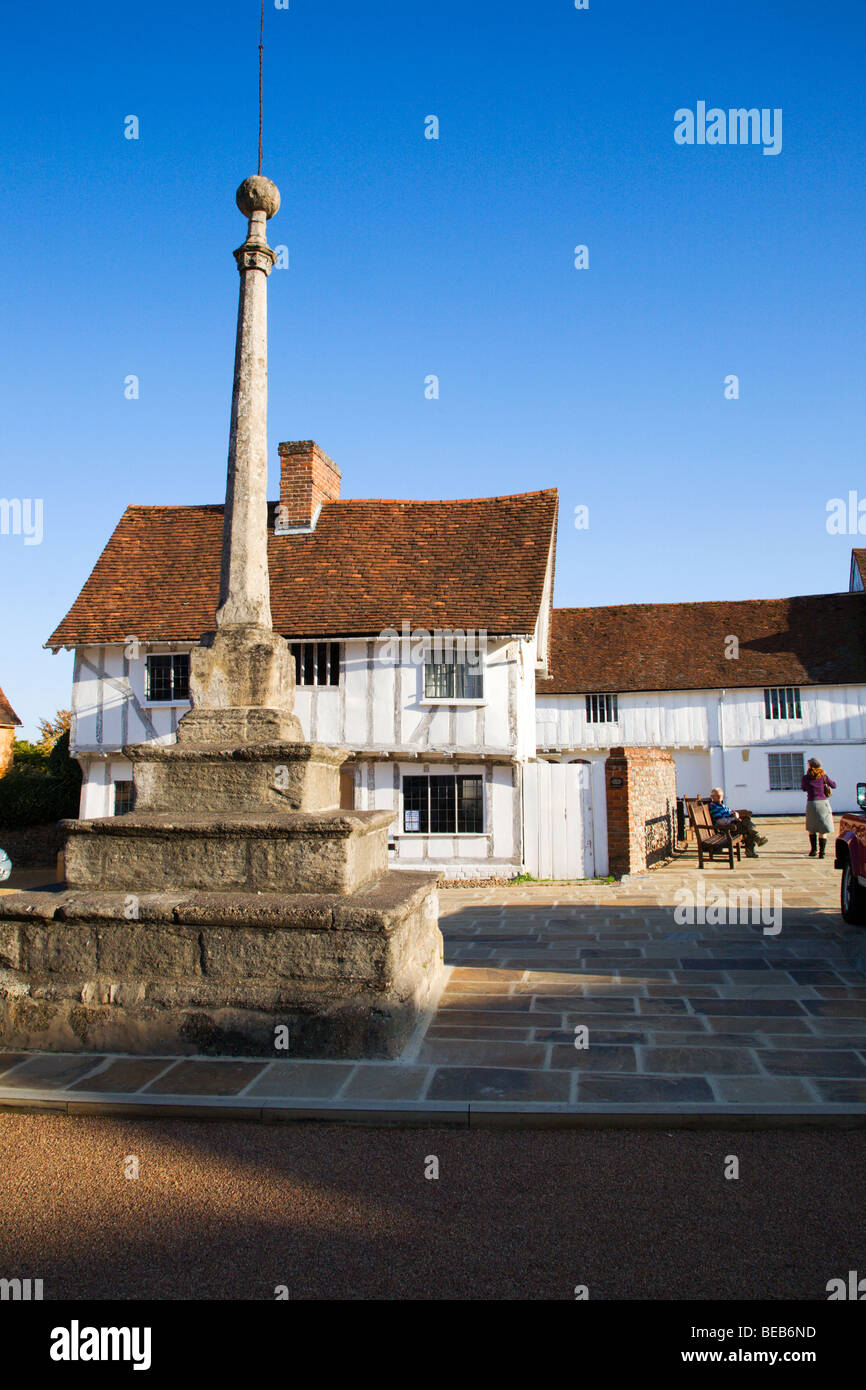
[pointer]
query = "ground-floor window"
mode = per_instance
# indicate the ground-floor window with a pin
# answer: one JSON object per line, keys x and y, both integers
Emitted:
{"x": 445, "y": 805}
{"x": 124, "y": 797}
{"x": 786, "y": 771}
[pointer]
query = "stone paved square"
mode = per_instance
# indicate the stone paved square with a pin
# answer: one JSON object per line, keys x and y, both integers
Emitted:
{"x": 679, "y": 1017}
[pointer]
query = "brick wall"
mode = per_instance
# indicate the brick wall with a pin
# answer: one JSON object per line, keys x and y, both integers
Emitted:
{"x": 7, "y": 738}
{"x": 307, "y": 478}
{"x": 641, "y": 783}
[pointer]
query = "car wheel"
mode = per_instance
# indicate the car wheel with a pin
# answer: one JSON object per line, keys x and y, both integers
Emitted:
{"x": 853, "y": 899}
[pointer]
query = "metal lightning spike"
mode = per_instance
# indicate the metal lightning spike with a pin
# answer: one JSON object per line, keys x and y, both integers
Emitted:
{"x": 261, "y": 50}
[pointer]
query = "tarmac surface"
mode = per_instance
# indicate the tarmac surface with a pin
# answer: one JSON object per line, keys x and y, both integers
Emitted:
{"x": 229, "y": 1211}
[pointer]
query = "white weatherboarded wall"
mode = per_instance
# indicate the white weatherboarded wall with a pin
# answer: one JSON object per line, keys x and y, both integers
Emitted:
{"x": 559, "y": 835}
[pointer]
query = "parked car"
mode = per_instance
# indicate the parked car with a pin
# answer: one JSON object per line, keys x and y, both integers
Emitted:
{"x": 851, "y": 859}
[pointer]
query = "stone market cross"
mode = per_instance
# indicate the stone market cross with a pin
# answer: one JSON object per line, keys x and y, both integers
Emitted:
{"x": 237, "y": 904}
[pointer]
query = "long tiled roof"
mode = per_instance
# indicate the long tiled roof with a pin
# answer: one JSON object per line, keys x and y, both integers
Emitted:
{"x": 818, "y": 639}
{"x": 368, "y": 565}
{"x": 7, "y": 713}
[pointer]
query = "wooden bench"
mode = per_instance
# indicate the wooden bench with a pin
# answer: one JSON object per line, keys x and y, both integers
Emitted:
{"x": 712, "y": 840}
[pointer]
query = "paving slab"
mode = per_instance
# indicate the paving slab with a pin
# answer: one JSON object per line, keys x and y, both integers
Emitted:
{"x": 671, "y": 1090}
{"x": 301, "y": 1079}
{"x": 124, "y": 1074}
{"x": 371, "y": 1082}
{"x": 49, "y": 1071}
{"x": 498, "y": 1084}
{"x": 214, "y": 1077}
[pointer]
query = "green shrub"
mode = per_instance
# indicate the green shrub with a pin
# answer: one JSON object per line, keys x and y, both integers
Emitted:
{"x": 34, "y": 793}
{"x": 29, "y": 755}
{"x": 61, "y": 766}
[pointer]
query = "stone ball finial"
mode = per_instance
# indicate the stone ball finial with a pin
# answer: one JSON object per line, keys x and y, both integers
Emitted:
{"x": 258, "y": 194}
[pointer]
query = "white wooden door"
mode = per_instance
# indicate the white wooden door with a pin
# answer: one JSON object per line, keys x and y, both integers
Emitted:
{"x": 557, "y": 820}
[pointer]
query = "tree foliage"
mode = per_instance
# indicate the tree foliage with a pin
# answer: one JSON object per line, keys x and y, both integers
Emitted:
{"x": 50, "y": 730}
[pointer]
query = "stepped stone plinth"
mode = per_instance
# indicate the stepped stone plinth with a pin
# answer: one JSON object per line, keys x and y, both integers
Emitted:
{"x": 238, "y": 908}
{"x": 212, "y": 928}
{"x": 229, "y": 905}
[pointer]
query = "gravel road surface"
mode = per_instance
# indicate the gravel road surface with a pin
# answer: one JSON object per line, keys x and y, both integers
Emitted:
{"x": 233, "y": 1210}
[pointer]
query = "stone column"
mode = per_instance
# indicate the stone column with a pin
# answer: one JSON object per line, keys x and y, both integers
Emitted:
{"x": 244, "y": 590}
{"x": 241, "y": 677}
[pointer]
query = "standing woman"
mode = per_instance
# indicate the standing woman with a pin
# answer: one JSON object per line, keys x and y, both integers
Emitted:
{"x": 819, "y": 817}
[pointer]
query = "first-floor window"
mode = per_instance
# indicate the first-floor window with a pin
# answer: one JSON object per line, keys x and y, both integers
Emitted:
{"x": 601, "y": 709}
{"x": 167, "y": 677}
{"x": 786, "y": 771}
{"x": 316, "y": 663}
{"x": 782, "y": 702}
{"x": 124, "y": 797}
{"x": 443, "y": 805}
{"x": 451, "y": 675}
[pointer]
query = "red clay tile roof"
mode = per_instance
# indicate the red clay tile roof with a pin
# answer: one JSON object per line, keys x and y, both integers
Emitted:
{"x": 819, "y": 639}
{"x": 7, "y": 713}
{"x": 476, "y": 563}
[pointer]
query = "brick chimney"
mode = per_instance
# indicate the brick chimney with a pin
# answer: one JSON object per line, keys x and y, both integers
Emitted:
{"x": 307, "y": 479}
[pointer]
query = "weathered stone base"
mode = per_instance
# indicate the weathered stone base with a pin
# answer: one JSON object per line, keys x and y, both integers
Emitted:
{"x": 348, "y": 976}
{"x": 299, "y": 851}
{"x": 242, "y": 687}
{"x": 237, "y": 725}
{"x": 280, "y": 776}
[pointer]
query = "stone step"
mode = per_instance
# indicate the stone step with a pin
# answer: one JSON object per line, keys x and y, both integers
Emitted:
{"x": 331, "y": 851}
{"x": 222, "y": 972}
{"x": 281, "y": 776}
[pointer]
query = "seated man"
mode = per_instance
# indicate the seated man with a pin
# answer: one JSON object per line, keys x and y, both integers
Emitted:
{"x": 726, "y": 819}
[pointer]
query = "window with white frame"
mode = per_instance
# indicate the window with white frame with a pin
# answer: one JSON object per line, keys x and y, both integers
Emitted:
{"x": 443, "y": 805}
{"x": 453, "y": 675}
{"x": 782, "y": 702}
{"x": 601, "y": 709}
{"x": 316, "y": 663}
{"x": 167, "y": 677}
{"x": 786, "y": 771}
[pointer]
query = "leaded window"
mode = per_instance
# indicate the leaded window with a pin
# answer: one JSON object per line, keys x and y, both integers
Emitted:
{"x": 316, "y": 663}
{"x": 601, "y": 709}
{"x": 782, "y": 702}
{"x": 443, "y": 805}
{"x": 451, "y": 676}
{"x": 786, "y": 771}
{"x": 167, "y": 677}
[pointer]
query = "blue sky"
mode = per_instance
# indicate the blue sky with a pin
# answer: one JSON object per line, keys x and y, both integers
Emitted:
{"x": 454, "y": 257}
